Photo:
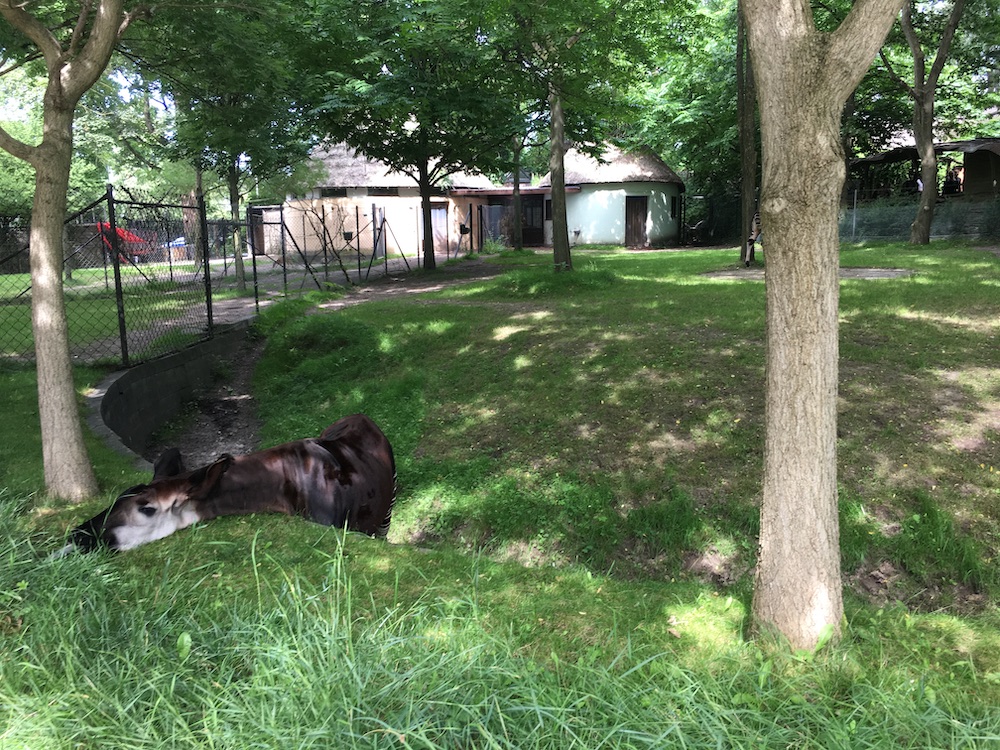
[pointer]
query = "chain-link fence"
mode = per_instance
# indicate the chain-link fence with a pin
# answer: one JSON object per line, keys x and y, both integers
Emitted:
{"x": 306, "y": 245}
{"x": 146, "y": 277}
{"x": 303, "y": 248}
{"x": 138, "y": 277}
{"x": 890, "y": 219}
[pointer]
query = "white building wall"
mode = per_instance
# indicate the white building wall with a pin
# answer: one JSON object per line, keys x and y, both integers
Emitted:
{"x": 596, "y": 214}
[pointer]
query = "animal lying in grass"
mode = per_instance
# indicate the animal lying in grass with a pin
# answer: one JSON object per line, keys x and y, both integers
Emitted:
{"x": 345, "y": 477}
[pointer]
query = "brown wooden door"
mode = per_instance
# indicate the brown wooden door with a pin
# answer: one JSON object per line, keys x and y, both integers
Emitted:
{"x": 635, "y": 220}
{"x": 533, "y": 220}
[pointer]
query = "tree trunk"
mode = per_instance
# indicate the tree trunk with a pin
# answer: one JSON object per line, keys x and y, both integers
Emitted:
{"x": 746, "y": 101}
{"x": 803, "y": 80}
{"x": 516, "y": 225}
{"x": 68, "y": 474}
{"x": 557, "y": 173}
{"x": 923, "y": 133}
{"x": 798, "y": 586}
{"x": 237, "y": 228}
{"x": 71, "y": 72}
{"x": 923, "y": 92}
{"x": 424, "y": 183}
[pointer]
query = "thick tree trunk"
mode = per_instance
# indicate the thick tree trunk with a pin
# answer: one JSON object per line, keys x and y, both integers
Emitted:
{"x": 71, "y": 72}
{"x": 798, "y": 585}
{"x": 68, "y": 474}
{"x": 803, "y": 79}
{"x": 237, "y": 228}
{"x": 557, "y": 173}
{"x": 424, "y": 183}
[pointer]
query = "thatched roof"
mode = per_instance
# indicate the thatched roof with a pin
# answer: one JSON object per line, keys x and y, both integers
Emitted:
{"x": 346, "y": 168}
{"x": 641, "y": 165}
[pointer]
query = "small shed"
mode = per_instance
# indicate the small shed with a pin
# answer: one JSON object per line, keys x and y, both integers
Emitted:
{"x": 976, "y": 164}
{"x": 626, "y": 198}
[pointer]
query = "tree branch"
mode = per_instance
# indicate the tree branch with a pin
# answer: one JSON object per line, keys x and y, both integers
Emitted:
{"x": 33, "y": 29}
{"x": 16, "y": 148}
{"x": 919, "y": 66}
{"x": 857, "y": 39}
{"x": 19, "y": 64}
{"x": 79, "y": 29}
{"x": 85, "y": 69}
{"x": 896, "y": 77}
{"x": 945, "y": 44}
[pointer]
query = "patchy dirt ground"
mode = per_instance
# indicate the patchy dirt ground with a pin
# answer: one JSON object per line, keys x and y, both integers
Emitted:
{"x": 757, "y": 273}
{"x": 223, "y": 419}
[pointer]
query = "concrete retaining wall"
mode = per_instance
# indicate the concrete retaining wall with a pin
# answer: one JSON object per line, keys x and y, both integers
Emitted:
{"x": 131, "y": 405}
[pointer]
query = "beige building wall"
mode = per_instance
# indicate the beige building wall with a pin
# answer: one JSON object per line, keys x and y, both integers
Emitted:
{"x": 308, "y": 221}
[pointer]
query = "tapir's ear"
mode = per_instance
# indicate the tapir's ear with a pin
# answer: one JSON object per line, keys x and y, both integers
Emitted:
{"x": 169, "y": 464}
{"x": 204, "y": 481}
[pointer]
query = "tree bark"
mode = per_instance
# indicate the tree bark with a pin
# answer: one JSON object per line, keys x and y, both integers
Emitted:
{"x": 923, "y": 135}
{"x": 923, "y": 92}
{"x": 557, "y": 174}
{"x": 803, "y": 80}
{"x": 424, "y": 183}
{"x": 68, "y": 474}
{"x": 237, "y": 228}
{"x": 516, "y": 224}
{"x": 746, "y": 101}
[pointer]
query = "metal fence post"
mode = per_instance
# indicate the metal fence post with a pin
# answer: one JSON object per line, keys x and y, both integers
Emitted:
{"x": 115, "y": 246}
{"x": 252, "y": 239}
{"x": 203, "y": 223}
{"x": 323, "y": 235}
{"x": 284, "y": 249}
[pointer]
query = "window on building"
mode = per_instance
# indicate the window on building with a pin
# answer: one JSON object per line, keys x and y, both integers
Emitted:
{"x": 333, "y": 192}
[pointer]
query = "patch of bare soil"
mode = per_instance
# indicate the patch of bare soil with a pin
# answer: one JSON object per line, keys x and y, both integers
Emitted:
{"x": 884, "y": 583}
{"x": 711, "y": 566}
{"x": 221, "y": 419}
{"x": 757, "y": 273}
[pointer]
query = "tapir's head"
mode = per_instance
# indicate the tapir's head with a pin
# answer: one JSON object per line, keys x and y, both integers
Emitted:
{"x": 148, "y": 512}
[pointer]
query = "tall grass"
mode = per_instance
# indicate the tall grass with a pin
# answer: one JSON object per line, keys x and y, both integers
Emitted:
{"x": 98, "y": 657}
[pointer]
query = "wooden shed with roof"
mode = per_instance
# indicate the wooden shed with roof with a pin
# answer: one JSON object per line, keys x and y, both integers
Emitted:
{"x": 974, "y": 167}
{"x": 626, "y": 198}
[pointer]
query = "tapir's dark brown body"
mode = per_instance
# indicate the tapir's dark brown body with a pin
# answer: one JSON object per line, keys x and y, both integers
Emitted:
{"x": 345, "y": 477}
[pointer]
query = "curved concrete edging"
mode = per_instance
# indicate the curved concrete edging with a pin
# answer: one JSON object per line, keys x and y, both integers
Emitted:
{"x": 130, "y": 405}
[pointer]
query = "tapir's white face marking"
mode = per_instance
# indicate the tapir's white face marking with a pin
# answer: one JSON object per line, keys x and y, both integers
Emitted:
{"x": 149, "y": 516}
{"x": 148, "y": 512}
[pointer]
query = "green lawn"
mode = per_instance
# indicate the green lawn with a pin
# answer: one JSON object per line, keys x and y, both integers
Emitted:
{"x": 579, "y": 459}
